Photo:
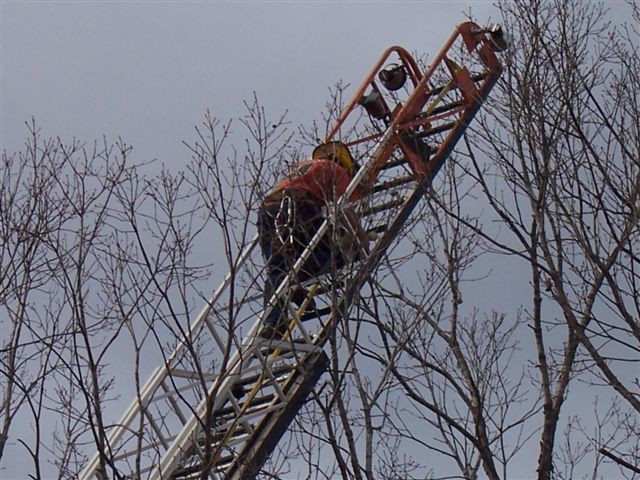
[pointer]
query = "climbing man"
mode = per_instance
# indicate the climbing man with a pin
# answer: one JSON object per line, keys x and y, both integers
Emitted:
{"x": 290, "y": 215}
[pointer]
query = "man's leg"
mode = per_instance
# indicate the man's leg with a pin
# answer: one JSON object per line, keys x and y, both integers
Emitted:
{"x": 320, "y": 260}
{"x": 274, "y": 260}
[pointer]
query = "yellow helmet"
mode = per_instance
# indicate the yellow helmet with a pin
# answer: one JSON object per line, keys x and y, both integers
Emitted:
{"x": 338, "y": 152}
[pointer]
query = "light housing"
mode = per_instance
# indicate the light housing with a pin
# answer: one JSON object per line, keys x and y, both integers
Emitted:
{"x": 393, "y": 77}
{"x": 498, "y": 40}
{"x": 374, "y": 105}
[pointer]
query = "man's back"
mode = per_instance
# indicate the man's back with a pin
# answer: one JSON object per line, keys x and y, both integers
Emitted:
{"x": 323, "y": 179}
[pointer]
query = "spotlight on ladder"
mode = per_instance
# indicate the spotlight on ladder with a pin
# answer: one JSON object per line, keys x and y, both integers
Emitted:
{"x": 393, "y": 76}
{"x": 498, "y": 40}
{"x": 374, "y": 105}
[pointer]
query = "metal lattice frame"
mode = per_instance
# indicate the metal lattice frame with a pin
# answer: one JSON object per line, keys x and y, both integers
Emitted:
{"x": 185, "y": 422}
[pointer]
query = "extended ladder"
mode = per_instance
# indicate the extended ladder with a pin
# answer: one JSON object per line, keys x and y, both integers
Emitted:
{"x": 219, "y": 408}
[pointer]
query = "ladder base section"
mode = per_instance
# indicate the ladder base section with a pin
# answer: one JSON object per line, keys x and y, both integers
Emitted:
{"x": 271, "y": 429}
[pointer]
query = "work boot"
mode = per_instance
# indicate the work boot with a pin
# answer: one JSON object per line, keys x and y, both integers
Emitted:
{"x": 237, "y": 391}
{"x": 299, "y": 295}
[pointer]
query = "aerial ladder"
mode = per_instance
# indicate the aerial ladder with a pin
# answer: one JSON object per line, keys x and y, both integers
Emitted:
{"x": 218, "y": 405}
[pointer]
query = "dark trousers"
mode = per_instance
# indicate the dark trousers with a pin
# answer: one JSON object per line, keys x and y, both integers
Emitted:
{"x": 284, "y": 232}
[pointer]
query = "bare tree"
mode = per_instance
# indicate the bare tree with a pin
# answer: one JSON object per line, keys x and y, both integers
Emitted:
{"x": 101, "y": 265}
{"x": 55, "y": 204}
{"x": 563, "y": 180}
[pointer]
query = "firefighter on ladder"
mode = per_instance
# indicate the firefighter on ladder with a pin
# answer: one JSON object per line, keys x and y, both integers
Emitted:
{"x": 290, "y": 215}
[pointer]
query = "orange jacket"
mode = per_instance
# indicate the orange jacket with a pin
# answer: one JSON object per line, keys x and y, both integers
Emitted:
{"x": 323, "y": 179}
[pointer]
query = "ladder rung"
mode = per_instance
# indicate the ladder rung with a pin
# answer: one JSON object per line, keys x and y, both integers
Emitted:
{"x": 447, "y": 107}
{"x": 476, "y": 77}
{"x": 394, "y": 163}
{"x": 291, "y": 346}
{"x": 231, "y": 440}
{"x": 258, "y": 368}
{"x": 276, "y": 371}
{"x": 223, "y": 463}
{"x": 318, "y": 312}
{"x": 261, "y": 401}
{"x": 249, "y": 415}
{"x": 396, "y": 182}
{"x": 437, "y": 129}
{"x": 191, "y": 375}
{"x": 143, "y": 448}
{"x": 226, "y": 413}
{"x": 382, "y": 207}
{"x": 440, "y": 109}
{"x": 170, "y": 393}
{"x": 194, "y": 471}
{"x": 237, "y": 304}
{"x": 378, "y": 228}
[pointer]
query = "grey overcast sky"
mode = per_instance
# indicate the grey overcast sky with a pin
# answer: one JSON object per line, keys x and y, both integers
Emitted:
{"x": 146, "y": 71}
